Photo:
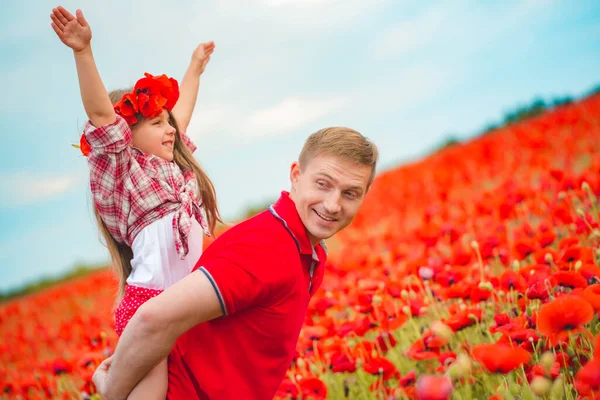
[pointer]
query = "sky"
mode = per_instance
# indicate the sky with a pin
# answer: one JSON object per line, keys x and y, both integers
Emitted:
{"x": 405, "y": 74}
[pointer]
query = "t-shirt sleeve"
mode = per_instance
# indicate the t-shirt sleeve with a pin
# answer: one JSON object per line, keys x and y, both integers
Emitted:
{"x": 239, "y": 275}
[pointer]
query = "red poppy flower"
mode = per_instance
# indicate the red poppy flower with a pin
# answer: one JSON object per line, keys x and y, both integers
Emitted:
{"x": 499, "y": 357}
{"x": 570, "y": 279}
{"x": 587, "y": 379}
{"x": 512, "y": 280}
{"x": 287, "y": 389}
{"x": 127, "y": 107}
{"x": 61, "y": 366}
{"x": 540, "y": 370}
{"x": 592, "y": 295}
{"x": 340, "y": 362}
{"x": 463, "y": 319}
{"x": 562, "y": 317}
{"x": 313, "y": 388}
{"x": 547, "y": 238}
{"x": 385, "y": 340}
{"x": 409, "y": 379}
{"x": 381, "y": 366}
{"x": 590, "y": 272}
{"x": 428, "y": 347}
{"x": 432, "y": 387}
{"x": 538, "y": 290}
{"x": 169, "y": 89}
{"x": 523, "y": 248}
{"x": 84, "y": 146}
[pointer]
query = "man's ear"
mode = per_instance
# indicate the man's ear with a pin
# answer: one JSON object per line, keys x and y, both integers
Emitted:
{"x": 294, "y": 174}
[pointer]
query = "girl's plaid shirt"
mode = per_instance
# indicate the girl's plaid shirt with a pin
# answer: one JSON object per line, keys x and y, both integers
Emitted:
{"x": 132, "y": 189}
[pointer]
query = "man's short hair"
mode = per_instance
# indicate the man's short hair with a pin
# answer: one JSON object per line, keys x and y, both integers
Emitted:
{"x": 344, "y": 143}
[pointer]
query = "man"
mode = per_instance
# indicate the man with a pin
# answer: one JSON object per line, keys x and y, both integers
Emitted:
{"x": 231, "y": 327}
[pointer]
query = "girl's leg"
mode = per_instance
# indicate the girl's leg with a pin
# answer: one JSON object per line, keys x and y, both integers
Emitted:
{"x": 153, "y": 385}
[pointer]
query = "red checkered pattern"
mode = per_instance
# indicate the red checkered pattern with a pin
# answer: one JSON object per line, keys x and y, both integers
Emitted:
{"x": 132, "y": 189}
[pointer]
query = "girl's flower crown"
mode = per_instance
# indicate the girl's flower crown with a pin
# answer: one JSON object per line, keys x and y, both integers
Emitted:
{"x": 148, "y": 98}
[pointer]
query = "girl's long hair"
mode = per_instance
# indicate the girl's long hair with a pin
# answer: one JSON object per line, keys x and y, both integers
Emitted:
{"x": 121, "y": 254}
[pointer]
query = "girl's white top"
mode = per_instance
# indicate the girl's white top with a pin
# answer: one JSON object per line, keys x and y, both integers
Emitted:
{"x": 155, "y": 263}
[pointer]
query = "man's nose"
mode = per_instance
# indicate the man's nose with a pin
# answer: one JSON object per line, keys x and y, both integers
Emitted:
{"x": 332, "y": 203}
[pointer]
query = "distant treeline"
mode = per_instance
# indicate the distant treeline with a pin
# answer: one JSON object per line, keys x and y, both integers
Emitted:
{"x": 77, "y": 271}
{"x": 521, "y": 113}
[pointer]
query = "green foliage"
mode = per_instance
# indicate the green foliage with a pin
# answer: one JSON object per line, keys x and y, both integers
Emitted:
{"x": 78, "y": 271}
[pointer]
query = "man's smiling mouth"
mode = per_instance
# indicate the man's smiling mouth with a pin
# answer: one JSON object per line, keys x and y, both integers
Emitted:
{"x": 324, "y": 217}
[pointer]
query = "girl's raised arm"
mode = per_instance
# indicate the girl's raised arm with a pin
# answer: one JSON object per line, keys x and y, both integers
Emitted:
{"x": 75, "y": 32}
{"x": 190, "y": 84}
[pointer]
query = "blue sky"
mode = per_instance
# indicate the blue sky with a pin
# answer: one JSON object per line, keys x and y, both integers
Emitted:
{"x": 403, "y": 73}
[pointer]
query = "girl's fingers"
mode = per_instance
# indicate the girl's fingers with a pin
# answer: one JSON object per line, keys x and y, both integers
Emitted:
{"x": 81, "y": 19}
{"x": 59, "y": 24}
{"x": 63, "y": 20}
{"x": 58, "y": 31}
{"x": 65, "y": 14}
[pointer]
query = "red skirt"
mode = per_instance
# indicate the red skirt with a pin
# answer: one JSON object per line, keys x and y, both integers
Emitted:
{"x": 134, "y": 297}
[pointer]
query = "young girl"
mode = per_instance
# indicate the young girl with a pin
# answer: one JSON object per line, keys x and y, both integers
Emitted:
{"x": 152, "y": 200}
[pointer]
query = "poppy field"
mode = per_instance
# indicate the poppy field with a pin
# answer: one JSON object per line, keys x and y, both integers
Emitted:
{"x": 473, "y": 273}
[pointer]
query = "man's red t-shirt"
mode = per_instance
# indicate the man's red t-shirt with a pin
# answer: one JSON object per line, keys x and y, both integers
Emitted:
{"x": 264, "y": 271}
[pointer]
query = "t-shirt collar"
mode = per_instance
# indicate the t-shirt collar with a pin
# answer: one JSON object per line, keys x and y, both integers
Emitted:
{"x": 285, "y": 210}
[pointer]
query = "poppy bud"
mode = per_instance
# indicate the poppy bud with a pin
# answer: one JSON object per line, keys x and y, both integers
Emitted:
{"x": 516, "y": 265}
{"x": 301, "y": 363}
{"x": 455, "y": 371}
{"x": 578, "y": 265}
{"x": 475, "y": 245}
{"x": 585, "y": 186}
{"x": 377, "y": 299}
{"x": 406, "y": 310}
{"x": 486, "y": 285}
{"x": 465, "y": 363}
{"x": 442, "y": 330}
{"x": 580, "y": 212}
{"x": 540, "y": 385}
{"x": 558, "y": 387}
{"x": 548, "y": 258}
{"x": 514, "y": 389}
{"x": 561, "y": 195}
{"x": 547, "y": 360}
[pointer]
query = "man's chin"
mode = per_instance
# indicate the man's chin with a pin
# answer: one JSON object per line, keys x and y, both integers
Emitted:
{"x": 321, "y": 234}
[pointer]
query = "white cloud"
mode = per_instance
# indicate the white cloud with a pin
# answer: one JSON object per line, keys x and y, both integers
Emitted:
{"x": 290, "y": 114}
{"x": 410, "y": 34}
{"x": 26, "y": 187}
{"x": 458, "y": 28}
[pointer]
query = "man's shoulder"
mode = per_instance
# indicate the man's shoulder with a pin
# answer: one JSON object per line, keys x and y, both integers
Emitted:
{"x": 262, "y": 233}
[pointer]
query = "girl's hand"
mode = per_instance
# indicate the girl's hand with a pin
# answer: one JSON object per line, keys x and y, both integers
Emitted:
{"x": 201, "y": 55}
{"x": 73, "y": 32}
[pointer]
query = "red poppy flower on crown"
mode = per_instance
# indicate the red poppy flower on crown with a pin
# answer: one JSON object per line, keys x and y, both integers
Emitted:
{"x": 148, "y": 98}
